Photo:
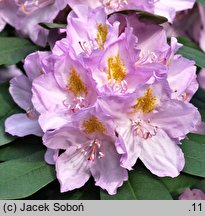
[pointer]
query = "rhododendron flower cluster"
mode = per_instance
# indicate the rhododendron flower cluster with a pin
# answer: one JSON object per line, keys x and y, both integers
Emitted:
{"x": 112, "y": 92}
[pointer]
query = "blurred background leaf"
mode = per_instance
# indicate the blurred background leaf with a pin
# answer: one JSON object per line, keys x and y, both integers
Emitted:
{"x": 141, "y": 185}
{"x": 177, "y": 185}
{"x": 194, "y": 151}
{"x": 201, "y": 1}
{"x": 23, "y": 177}
{"x": 20, "y": 148}
{"x": 52, "y": 25}
{"x": 14, "y": 49}
{"x": 144, "y": 16}
{"x": 193, "y": 54}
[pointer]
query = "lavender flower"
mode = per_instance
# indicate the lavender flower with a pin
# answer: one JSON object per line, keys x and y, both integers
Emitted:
{"x": 25, "y": 15}
{"x": 194, "y": 194}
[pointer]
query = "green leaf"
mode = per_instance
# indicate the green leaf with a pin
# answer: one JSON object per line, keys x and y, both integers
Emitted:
{"x": 194, "y": 151}
{"x": 52, "y": 25}
{"x": 200, "y": 95}
{"x": 144, "y": 16}
{"x": 23, "y": 177}
{"x": 201, "y": 1}
{"x": 177, "y": 185}
{"x": 7, "y": 108}
{"x": 141, "y": 185}
{"x": 198, "y": 103}
{"x": 88, "y": 192}
{"x": 186, "y": 42}
{"x": 193, "y": 54}
{"x": 13, "y": 49}
{"x": 4, "y": 34}
{"x": 20, "y": 148}
{"x": 200, "y": 185}
{"x": 151, "y": 17}
{"x": 202, "y": 112}
{"x": 197, "y": 138}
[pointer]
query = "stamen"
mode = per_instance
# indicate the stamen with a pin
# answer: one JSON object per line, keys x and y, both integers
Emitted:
{"x": 116, "y": 69}
{"x": 75, "y": 83}
{"x": 92, "y": 125}
{"x": 87, "y": 152}
{"x": 146, "y": 103}
{"x": 87, "y": 47}
{"x": 144, "y": 130}
{"x": 148, "y": 57}
{"x": 92, "y": 150}
{"x": 77, "y": 104}
{"x": 102, "y": 35}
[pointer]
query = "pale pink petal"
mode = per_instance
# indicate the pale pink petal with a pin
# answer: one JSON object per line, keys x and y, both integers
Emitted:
{"x": 20, "y": 125}
{"x": 176, "y": 118}
{"x": 168, "y": 8}
{"x": 33, "y": 64}
{"x": 51, "y": 156}
{"x": 162, "y": 156}
{"x": 2, "y": 23}
{"x": 182, "y": 69}
{"x": 200, "y": 129}
{"x": 90, "y": 3}
{"x": 52, "y": 120}
{"x": 152, "y": 39}
{"x": 163, "y": 10}
{"x": 72, "y": 169}
{"x": 63, "y": 138}
{"x": 107, "y": 172}
{"x": 47, "y": 94}
{"x": 20, "y": 90}
{"x": 131, "y": 143}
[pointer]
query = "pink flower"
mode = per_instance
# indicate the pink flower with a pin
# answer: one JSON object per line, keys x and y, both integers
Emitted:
{"x": 150, "y": 124}
{"x": 89, "y": 31}
{"x": 25, "y": 123}
{"x": 24, "y": 16}
{"x": 157, "y": 59}
{"x": 116, "y": 72}
{"x": 20, "y": 89}
{"x": 57, "y": 95}
{"x": 194, "y": 194}
{"x": 89, "y": 149}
